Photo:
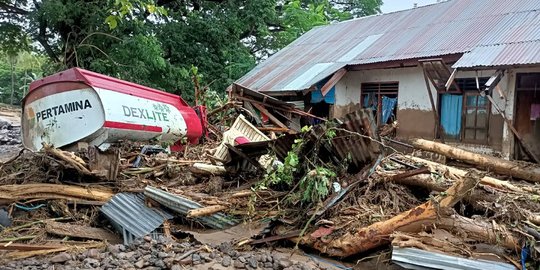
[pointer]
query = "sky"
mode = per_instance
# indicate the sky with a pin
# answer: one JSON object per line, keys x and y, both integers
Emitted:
{"x": 395, "y": 5}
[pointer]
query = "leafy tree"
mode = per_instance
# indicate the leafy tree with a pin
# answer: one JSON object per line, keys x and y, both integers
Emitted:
{"x": 156, "y": 42}
{"x": 17, "y": 77}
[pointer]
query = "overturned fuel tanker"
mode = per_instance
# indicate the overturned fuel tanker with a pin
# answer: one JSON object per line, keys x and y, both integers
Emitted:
{"x": 77, "y": 105}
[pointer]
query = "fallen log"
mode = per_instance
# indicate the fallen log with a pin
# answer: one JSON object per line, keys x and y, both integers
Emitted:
{"x": 377, "y": 234}
{"x": 14, "y": 193}
{"x": 206, "y": 211}
{"x": 486, "y": 180}
{"x": 72, "y": 230}
{"x": 521, "y": 170}
{"x": 483, "y": 231}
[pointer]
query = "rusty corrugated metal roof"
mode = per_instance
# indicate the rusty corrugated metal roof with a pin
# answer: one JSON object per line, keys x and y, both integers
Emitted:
{"x": 522, "y": 53}
{"x": 456, "y": 26}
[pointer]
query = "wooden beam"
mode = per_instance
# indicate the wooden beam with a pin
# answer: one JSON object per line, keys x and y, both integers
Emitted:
{"x": 72, "y": 230}
{"x": 270, "y": 116}
{"x": 438, "y": 129}
{"x": 333, "y": 80}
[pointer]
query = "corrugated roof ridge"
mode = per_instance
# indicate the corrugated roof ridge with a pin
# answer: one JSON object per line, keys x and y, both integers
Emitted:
{"x": 392, "y": 12}
{"x": 508, "y": 43}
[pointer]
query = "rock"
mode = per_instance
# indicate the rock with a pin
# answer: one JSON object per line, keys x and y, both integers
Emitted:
{"x": 139, "y": 264}
{"x": 5, "y": 220}
{"x": 61, "y": 258}
{"x": 226, "y": 261}
{"x": 93, "y": 253}
{"x": 114, "y": 249}
{"x": 242, "y": 259}
{"x": 268, "y": 265}
{"x": 284, "y": 263}
{"x": 205, "y": 257}
{"x": 239, "y": 265}
{"x": 252, "y": 262}
{"x": 160, "y": 264}
{"x": 176, "y": 267}
{"x": 125, "y": 255}
{"x": 217, "y": 266}
{"x": 91, "y": 263}
{"x": 196, "y": 257}
{"x": 147, "y": 238}
{"x": 163, "y": 255}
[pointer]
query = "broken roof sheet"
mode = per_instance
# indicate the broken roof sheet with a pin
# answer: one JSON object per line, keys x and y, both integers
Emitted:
{"x": 129, "y": 211}
{"x": 451, "y": 27}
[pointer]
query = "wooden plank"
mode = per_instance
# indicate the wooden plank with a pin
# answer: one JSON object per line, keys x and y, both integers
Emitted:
{"x": 270, "y": 116}
{"x": 27, "y": 247}
{"x": 438, "y": 128}
{"x": 333, "y": 80}
{"x": 72, "y": 230}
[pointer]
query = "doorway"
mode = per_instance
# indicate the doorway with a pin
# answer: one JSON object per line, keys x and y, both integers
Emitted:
{"x": 527, "y": 118}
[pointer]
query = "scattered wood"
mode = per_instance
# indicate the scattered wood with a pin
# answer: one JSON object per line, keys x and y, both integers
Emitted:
{"x": 366, "y": 238}
{"x": 72, "y": 160}
{"x": 486, "y": 180}
{"x": 13, "y": 193}
{"x": 521, "y": 170}
{"x": 492, "y": 233}
{"x": 27, "y": 247}
{"x": 206, "y": 211}
{"x": 78, "y": 231}
{"x": 26, "y": 254}
{"x": 207, "y": 169}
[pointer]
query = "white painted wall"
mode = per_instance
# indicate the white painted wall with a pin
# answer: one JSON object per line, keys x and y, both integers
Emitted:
{"x": 412, "y": 91}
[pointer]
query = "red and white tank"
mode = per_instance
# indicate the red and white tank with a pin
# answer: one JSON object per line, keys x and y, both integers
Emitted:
{"x": 77, "y": 105}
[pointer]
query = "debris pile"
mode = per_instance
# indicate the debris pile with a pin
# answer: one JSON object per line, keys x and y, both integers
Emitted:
{"x": 336, "y": 188}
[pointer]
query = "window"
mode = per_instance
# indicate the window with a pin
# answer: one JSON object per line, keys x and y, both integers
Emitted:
{"x": 382, "y": 99}
{"x": 465, "y": 116}
{"x": 476, "y": 117}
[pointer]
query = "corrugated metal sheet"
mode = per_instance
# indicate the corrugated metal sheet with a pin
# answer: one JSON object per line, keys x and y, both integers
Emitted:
{"x": 182, "y": 205}
{"x": 456, "y": 26}
{"x": 523, "y": 53}
{"x": 413, "y": 258}
{"x": 128, "y": 212}
{"x": 354, "y": 140}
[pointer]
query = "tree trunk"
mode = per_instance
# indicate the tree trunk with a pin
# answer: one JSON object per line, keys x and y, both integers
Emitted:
{"x": 486, "y": 180}
{"x": 12, "y": 62}
{"x": 377, "y": 234}
{"x": 522, "y": 170}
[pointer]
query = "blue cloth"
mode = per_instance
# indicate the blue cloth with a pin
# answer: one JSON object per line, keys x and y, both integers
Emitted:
{"x": 388, "y": 105}
{"x": 316, "y": 95}
{"x": 451, "y": 107}
{"x": 524, "y": 255}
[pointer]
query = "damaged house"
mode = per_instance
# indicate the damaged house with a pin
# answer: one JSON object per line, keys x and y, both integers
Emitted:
{"x": 463, "y": 71}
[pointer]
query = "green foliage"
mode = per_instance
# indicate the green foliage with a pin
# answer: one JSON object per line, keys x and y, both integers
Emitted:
{"x": 26, "y": 68}
{"x": 315, "y": 177}
{"x": 315, "y": 186}
{"x": 156, "y": 43}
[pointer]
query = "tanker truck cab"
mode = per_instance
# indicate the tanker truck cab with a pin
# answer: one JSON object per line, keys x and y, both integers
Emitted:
{"x": 77, "y": 105}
